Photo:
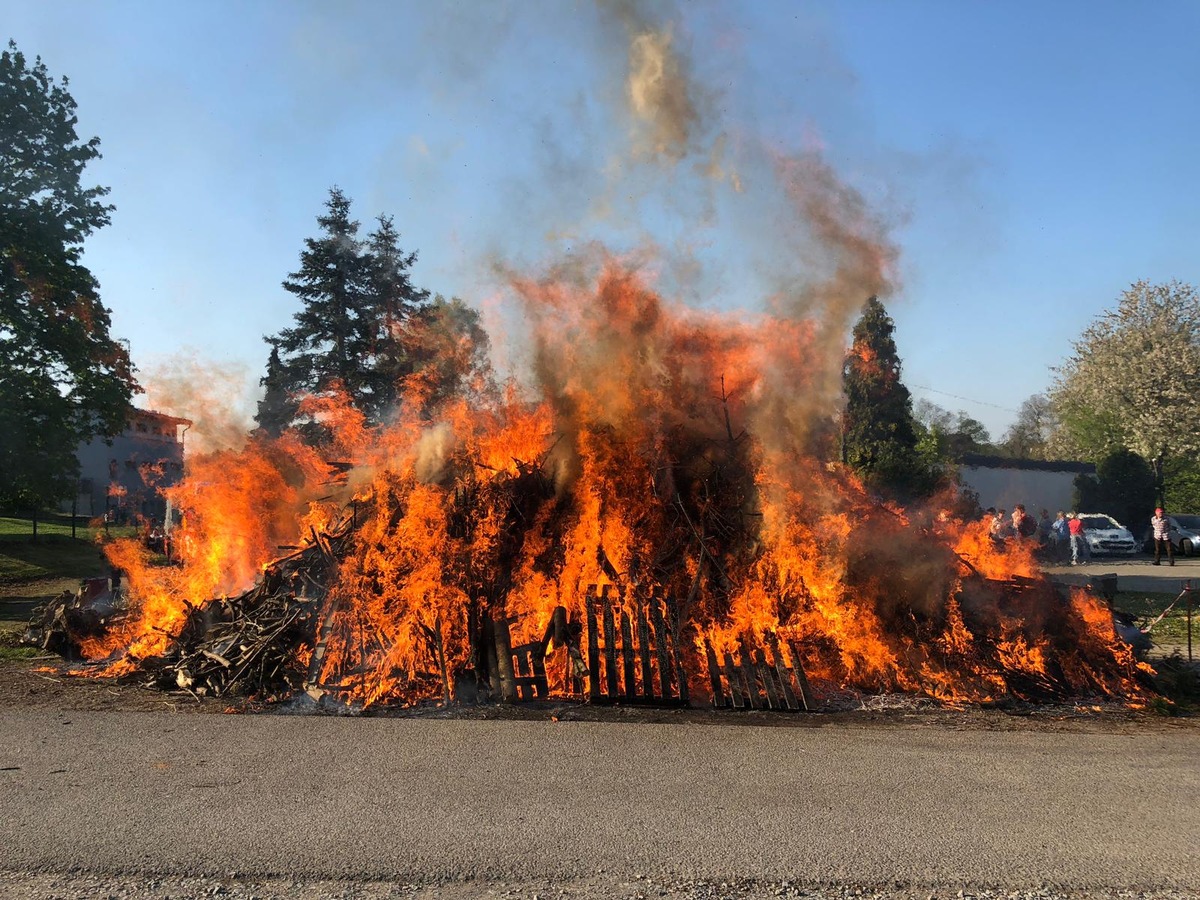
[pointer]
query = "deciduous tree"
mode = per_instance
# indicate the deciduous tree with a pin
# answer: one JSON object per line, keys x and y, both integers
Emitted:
{"x": 1130, "y": 382}
{"x": 63, "y": 377}
{"x": 1029, "y": 436}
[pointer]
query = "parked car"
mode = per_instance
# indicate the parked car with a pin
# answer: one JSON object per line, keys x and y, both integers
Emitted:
{"x": 1106, "y": 536}
{"x": 1184, "y": 533}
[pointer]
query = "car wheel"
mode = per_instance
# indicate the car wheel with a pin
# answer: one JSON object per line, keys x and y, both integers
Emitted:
{"x": 1186, "y": 548}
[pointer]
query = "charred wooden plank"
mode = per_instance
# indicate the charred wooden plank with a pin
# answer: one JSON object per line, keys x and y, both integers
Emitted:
{"x": 737, "y": 690}
{"x": 803, "y": 693}
{"x": 610, "y": 644}
{"x": 521, "y": 670}
{"x": 491, "y": 660}
{"x": 541, "y": 685}
{"x": 661, "y": 651}
{"x": 593, "y": 644}
{"x": 714, "y": 675}
{"x": 627, "y": 669}
{"x": 677, "y": 648}
{"x": 767, "y": 675}
{"x": 504, "y": 661}
{"x": 643, "y": 634}
{"x": 748, "y": 673}
{"x": 787, "y": 695}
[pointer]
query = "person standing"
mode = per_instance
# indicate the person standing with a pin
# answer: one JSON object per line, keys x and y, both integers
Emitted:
{"x": 1162, "y": 535}
{"x": 1078, "y": 544}
{"x": 1060, "y": 534}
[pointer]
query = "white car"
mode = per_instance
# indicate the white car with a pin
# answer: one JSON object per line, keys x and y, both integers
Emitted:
{"x": 1106, "y": 536}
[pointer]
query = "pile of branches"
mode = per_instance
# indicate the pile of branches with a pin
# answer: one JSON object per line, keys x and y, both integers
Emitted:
{"x": 60, "y": 624}
{"x": 251, "y": 644}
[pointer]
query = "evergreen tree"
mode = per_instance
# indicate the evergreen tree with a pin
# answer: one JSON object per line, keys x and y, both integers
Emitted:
{"x": 879, "y": 435}
{"x": 63, "y": 378}
{"x": 330, "y": 338}
{"x": 397, "y": 301}
{"x": 352, "y": 329}
{"x": 277, "y": 408}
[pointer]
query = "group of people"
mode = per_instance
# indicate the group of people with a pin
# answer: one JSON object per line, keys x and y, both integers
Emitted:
{"x": 1056, "y": 538}
{"x": 1063, "y": 535}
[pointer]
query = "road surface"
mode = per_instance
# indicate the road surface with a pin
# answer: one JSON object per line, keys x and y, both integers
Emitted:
{"x": 396, "y": 799}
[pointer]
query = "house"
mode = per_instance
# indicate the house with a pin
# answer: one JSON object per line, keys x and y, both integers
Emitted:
{"x": 125, "y": 475}
{"x": 1039, "y": 484}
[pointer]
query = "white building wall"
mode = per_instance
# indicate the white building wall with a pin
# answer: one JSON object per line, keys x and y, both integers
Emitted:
{"x": 1037, "y": 489}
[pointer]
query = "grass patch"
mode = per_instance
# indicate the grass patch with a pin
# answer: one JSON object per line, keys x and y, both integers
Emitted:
{"x": 55, "y": 525}
{"x": 54, "y": 554}
{"x": 1148, "y": 606}
{"x": 1178, "y": 685}
{"x": 11, "y": 653}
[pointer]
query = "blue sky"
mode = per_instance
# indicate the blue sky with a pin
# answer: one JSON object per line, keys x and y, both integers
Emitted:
{"x": 1032, "y": 160}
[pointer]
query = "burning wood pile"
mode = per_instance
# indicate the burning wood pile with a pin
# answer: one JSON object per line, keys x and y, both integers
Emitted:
{"x": 611, "y": 534}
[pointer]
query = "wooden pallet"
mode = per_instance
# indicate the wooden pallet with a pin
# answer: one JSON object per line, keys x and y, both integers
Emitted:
{"x": 754, "y": 682}
{"x": 633, "y": 658}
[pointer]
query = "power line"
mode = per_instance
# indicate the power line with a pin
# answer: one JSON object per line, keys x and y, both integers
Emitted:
{"x": 922, "y": 387}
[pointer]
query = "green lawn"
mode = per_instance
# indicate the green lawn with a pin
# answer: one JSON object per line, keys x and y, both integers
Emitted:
{"x": 54, "y": 554}
{"x": 1173, "y": 628}
{"x": 56, "y": 524}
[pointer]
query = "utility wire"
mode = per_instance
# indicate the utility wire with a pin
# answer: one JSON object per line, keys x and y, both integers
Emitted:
{"x": 922, "y": 387}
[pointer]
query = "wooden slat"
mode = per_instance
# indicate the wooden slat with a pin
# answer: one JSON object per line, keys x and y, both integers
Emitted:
{"x": 627, "y": 669}
{"x": 593, "y": 644}
{"x": 643, "y": 634}
{"x": 767, "y": 675}
{"x": 803, "y": 693}
{"x": 748, "y": 674}
{"x": 537, "y": 662}
{"x": 661, "y": 645}
{"x": 677, "y": 647}
{"x": 733, "y": 675}
{"x": 610, "y": 644}
{"x": 504, "y": 661}
{"x": 714, "y": 675}
{"x": 520, "y": 665}
{"x": 785, "y": 677}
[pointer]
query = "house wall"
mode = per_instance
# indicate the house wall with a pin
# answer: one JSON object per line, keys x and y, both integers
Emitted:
{"x": 1006, "y": 487}
{"x": 128, "y": 474}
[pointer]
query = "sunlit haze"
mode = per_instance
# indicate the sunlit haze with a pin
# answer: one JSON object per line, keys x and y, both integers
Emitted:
{"x": 1027, "y": 161}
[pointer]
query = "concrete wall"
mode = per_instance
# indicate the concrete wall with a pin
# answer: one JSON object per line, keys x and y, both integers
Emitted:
{"x": 1005, "y": 487}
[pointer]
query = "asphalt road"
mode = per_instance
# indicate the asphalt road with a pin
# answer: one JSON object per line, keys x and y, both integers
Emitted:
{"x": 1134, "y": 573}
{"x": 315, "y": 797}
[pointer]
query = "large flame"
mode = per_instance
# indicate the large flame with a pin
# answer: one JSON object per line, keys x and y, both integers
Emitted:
{"x": 657, "y": 448}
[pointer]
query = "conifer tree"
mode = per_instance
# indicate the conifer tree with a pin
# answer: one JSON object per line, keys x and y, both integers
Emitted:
{"x": 277, "y": 408}
{"x": 879, "y": 436}
{"x": 327, "y": 343}
{"x": 397, "y": 301}
{"x": 352, "y": 330}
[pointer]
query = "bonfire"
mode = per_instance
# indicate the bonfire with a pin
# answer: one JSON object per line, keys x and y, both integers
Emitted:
{"x": 654, "y": 515}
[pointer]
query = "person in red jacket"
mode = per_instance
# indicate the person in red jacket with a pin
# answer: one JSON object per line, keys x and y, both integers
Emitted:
{"x": 1078, "y": 543}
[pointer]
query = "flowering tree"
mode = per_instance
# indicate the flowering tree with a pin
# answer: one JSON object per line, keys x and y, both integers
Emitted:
{"x": 1132, "y": 378}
